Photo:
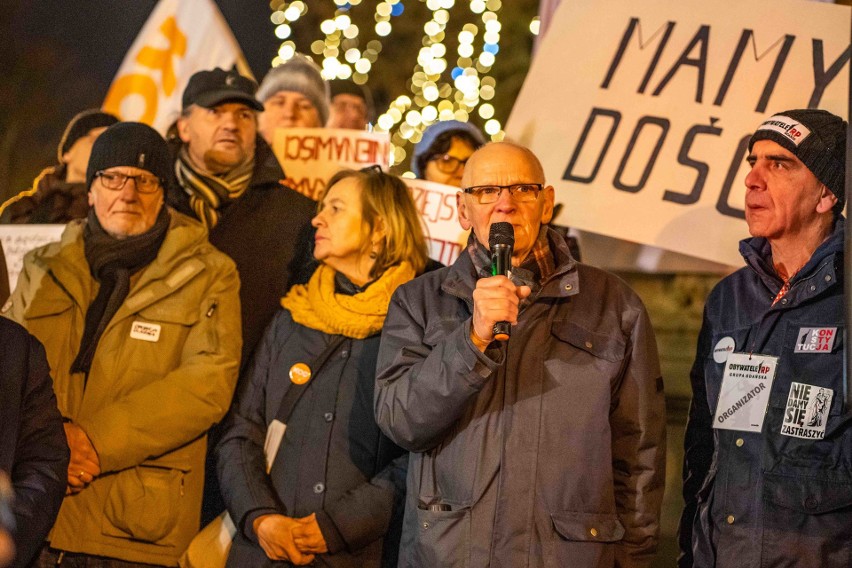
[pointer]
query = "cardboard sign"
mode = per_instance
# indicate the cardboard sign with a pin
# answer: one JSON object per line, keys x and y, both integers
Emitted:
{"x": 310, "y": 156}
{"x": 18, "y": 240}
{"x": 436, "y": 204}
{"x": 641, "y": 113}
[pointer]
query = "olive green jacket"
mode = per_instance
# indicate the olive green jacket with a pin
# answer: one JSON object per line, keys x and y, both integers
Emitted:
{"x": 164, "y": 371}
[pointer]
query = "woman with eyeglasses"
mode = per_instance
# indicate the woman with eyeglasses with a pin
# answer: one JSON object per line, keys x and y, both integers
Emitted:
{"x": 329, "y": 493}
{"x": 443, "y": 151}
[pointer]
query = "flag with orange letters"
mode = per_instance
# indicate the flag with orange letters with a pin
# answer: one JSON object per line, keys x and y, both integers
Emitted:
{"x": 178, "y": 39}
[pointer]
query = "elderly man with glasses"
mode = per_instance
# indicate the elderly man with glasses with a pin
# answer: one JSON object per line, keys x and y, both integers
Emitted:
{"x": 546, "y": 449}
{"x": 139, "y": 315}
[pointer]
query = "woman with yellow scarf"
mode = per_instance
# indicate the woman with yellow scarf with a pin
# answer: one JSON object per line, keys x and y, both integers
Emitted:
{"x": 305, "y": 471}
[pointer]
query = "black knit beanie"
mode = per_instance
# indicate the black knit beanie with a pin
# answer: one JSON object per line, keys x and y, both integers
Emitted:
{"x": 817, "y": 138}
{"x": 131, "y": 144}
{"x": 80, "y": 125}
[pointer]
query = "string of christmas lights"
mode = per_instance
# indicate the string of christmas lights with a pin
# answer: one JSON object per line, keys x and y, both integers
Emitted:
{"x": 436, "y": 91}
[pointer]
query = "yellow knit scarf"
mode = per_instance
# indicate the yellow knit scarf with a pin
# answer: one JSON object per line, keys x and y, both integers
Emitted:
{"x": 315, "y": 304}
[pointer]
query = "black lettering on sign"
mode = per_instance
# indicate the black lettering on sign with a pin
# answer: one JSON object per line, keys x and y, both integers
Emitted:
{"x": 632, "y": 26}
{"x": 700, "y": 39}
{"x": 701, "y": 167}
{"x": 722, "y": 205}
{"x": 615, "y": 117}
{"x": 823, "y": 77}
{"x": 663, "y": 124}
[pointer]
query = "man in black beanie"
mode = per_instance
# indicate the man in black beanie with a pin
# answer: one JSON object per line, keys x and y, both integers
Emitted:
{"x": 768, "y": 464}
{"x": 59, "y": 193}
{"x": 139, "y": 315}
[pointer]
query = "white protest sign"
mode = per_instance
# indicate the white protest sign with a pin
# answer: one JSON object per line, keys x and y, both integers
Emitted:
{"x": 436, "y": 204}
{"x": 641, "y": 113}
{"x": 310, "y": 156}
{"x": 18, "y": 240}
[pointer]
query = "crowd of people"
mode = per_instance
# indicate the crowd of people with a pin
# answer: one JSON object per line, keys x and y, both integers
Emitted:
{"x": 204, "y": 339}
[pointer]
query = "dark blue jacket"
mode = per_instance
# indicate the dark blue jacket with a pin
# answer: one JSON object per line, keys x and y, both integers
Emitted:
{"x": 770, "y": 499}
{"x": 33, "y": 450}
{"x": 333, "y": 461}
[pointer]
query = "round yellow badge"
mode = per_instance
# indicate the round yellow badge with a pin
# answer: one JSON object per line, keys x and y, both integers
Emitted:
{"x": 300, "y": 373}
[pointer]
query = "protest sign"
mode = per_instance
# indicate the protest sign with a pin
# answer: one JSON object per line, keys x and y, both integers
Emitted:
{"x": 436, "y": 204}
{"x": 18, "y": 240}
{"x": 641, "y": 113}
{"x": 310, "y": 156}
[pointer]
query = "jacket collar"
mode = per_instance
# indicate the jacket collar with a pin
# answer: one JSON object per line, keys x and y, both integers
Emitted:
{"x": 175, "y": 265}
{"x": 461, "y": 277}
{"x": 823, "y": 270}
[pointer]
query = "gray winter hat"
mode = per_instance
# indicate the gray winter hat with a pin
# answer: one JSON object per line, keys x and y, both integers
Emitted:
{"x": 817, "y": 138}
{"x": 301, "y": 75}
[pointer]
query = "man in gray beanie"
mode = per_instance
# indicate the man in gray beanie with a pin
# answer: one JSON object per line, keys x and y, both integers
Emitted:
{"x": 140, "y": 318}
{"x": 768, "y": 461}
{"x": 293, "y": 94}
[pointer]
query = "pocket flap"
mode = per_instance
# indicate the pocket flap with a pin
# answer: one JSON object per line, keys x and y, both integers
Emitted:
{"x": 48, "y": 307}
{"x": 807, "y": 494}
{"x": 169, "y": 311}
{"x": 607, "y": 347}
{"x": 594, "y": 527}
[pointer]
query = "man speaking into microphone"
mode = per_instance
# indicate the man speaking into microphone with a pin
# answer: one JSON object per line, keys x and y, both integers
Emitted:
{"x": 543, "y": 446}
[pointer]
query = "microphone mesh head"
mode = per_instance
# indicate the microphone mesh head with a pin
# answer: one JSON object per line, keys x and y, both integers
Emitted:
{"x": 501, "y": 234}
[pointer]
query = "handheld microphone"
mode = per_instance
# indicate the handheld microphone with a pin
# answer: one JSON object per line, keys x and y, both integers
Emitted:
{"x": 501, "y": 241}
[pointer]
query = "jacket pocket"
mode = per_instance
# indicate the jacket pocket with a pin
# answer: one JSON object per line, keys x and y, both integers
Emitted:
{"x": 143, "y": 504}
{"x": 590, "y": 527}
{"x": 443, "y": 539}
{"x": 807, "y": 513}
{"x": 608, "y": 347}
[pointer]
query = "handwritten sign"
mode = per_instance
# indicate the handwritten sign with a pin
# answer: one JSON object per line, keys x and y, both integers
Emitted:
{"x": 436, "y": 204}
{"x": 18, "y": 240}
{"x": 310, "y": 156}
{"x": 644, "y": 137}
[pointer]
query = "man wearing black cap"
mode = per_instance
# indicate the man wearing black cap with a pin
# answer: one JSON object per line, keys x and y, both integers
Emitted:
{"x": 59, "y": 192}
{"x": 230, "y": 180}
{"x": 768, "y": 466}
{"x": 139, "y": 316}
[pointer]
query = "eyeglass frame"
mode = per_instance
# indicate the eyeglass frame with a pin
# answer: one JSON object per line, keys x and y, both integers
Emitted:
{"x": 100, "y": 174}
{"x": 444, "y": 159}
{"x": 511, "y": 188}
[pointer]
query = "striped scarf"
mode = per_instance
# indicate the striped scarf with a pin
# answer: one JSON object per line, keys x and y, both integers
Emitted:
{"x": 209, "y": 193}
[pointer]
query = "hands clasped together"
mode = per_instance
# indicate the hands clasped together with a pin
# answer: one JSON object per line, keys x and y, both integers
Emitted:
{"x": 85, "y": 465}
{"x": 291, "y": 539}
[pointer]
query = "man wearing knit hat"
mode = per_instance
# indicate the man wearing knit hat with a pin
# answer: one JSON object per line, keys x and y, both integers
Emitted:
{"x": 139, "y": 316}
{"x": 293, "y": 94}
{"x": 59, "y": 193}
{"x": 768, "y": 464}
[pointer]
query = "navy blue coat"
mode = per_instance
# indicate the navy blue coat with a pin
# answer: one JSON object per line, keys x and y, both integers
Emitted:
{"x": 33, "y": 449}
{"x": 770, "y": 498}
{"x": 333, "y": 461}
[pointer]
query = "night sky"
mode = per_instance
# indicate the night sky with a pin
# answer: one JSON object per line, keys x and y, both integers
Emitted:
{"x": 59, "y": 57}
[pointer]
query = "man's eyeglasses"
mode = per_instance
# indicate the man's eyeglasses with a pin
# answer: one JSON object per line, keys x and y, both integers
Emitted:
{"x": 144, "y": 183}
{"x": 520, "y": 192}
{"x": 448, "y": 164}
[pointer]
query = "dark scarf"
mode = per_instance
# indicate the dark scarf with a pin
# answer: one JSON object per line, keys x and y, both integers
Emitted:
{"x": 112, "y": 262}
{"x": 208, "y": 193}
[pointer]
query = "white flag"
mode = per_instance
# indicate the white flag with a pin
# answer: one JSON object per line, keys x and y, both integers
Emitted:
{"x": 180, "y": 38}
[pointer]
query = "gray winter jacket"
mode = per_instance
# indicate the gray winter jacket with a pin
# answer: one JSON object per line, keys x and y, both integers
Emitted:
{"x": 545, "y": 451}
